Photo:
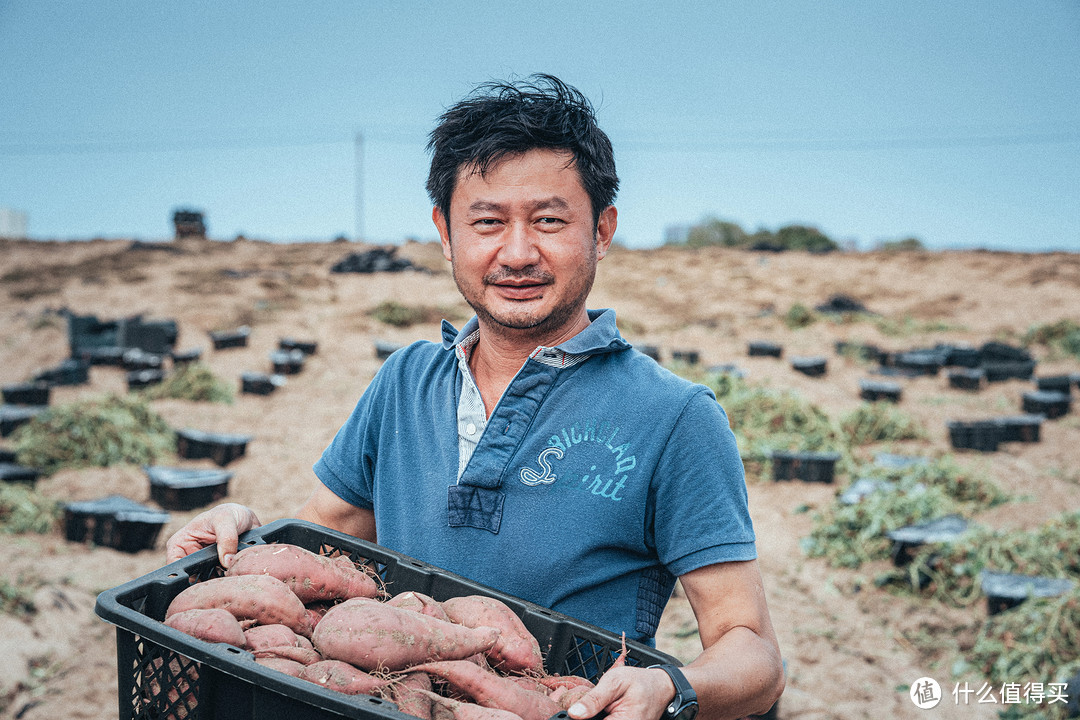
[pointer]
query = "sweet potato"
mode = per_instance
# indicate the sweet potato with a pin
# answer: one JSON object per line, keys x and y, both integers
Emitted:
{"x": 517, "y": 650}
{"x": 261, "y": 598}
{"x": 266, "y": 636}
{"x": 419, "y": 602}
{"x": 289, "y": 667}
{"x": 312, "y": 577}
{"x": 371, "y": 634}
{"x": 445, "y": 707}
{"x": 304, "y": 656}
{"x": 553, "y": 682}
{"x": 210, "y": 624}
{"x": 343, "y": 677}
{"x": 491, "y": 690}
{"x": 564, "y": 696}
{"x": 404, "y": 693}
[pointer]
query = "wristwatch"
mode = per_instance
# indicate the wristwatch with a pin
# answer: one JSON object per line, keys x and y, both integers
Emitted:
{"x": 684, "y": 705}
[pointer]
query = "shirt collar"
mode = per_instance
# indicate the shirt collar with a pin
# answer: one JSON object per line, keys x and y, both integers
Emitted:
{"x": 601, "y": 336}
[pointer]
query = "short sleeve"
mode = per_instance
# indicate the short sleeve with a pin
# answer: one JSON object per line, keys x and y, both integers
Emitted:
{"x": 701, "y": 514}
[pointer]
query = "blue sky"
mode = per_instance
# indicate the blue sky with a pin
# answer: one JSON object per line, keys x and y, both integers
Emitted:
{"x": 954, "y": 122}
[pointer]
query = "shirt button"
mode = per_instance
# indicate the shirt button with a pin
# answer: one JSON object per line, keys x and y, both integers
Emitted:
{"x": 470, "y": 429}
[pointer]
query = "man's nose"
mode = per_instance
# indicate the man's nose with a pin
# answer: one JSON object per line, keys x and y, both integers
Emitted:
{"x": 519, "y": 246}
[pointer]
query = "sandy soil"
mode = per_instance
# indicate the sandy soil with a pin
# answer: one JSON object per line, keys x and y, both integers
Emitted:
{"x": 851, "y": 649}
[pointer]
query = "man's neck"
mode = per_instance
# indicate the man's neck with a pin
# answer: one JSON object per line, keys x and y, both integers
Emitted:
{"x": 498, "y": 355}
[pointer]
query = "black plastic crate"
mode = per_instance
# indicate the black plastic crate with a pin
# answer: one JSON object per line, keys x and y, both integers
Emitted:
{"x": 72, "y": 371}
{"x": 689, "y": 357}
{"x": 223, "y": 339}
{"x": 919, "y": 362}
{"x": 114, "y": 521}
{"x": 138, "y": 379}
{"x": 907, "y": 540}
{"x": 8, "y": 456}
{"x": 165, "y": 673}
{"x": 257, "y": 383}
{"x": 806, "y": 466}
{"x": 1055, "y": 383}
{"x": 287, "y": 362}
{"x": 222, "y": 448}
{"x": 761, "y": 348}
{"x": 814, "y": 366}
{"x": 104, "y": 355}
{"x": 958, "y": 355}
{"x": 1004, "y": 591}
{"x": 967, "y": 379}
{"x": 11, "y": 472}
{"x": 153, "y": 336}
{"x": 652, "y": 351}
{"x": 13, "y": 416}
{"x": 186, "y": 488}
{"x": 136, "y": 359}
{"x": 186, "y": 356}
{"x": 35, "y": 393}
{"x": 874, "y": 390}
{"x": 1046, "y": 403}
{"x": 1020, "y": 428}
{"x": 308, "y": 347}
{"x": 995, "y": 352}
{"x": 982, "y": 435}
{"x": 1012, "y": 370}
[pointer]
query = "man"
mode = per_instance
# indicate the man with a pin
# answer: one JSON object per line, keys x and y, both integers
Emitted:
{"x": 535, "y": 451}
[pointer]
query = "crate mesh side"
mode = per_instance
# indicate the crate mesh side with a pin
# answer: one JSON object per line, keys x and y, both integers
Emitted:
{"x": 590, "y": 659}
{"x": 163, "y": 684}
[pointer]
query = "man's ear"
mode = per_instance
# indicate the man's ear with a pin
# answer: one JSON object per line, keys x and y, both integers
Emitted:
{"x": 605, "y": 230}
{"x": 440, "y": 221}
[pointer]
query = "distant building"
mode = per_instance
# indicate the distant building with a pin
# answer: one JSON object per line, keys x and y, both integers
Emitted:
{"x": 676, "y": 234}
{"x": 12, "y": 224}
{"x": 189, "y": 223}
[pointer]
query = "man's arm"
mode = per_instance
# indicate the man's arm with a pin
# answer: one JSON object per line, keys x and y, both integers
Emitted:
{"x": 739, "y": 673}
{"x": 224, "y": 523}
{"x": 327, "y": 509}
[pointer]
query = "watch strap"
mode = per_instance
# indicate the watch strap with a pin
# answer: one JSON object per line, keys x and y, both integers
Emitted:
{"x": 684, "y": 705}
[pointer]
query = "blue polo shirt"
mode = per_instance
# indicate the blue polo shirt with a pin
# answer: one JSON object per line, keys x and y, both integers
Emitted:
{"x": 593, "y": 486}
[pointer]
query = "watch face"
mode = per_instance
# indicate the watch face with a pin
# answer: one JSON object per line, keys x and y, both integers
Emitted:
{"x": 688, "y": 712}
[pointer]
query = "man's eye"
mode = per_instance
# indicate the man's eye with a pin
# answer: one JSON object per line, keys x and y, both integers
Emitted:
{"x": 486, "y": 222}
{"x": 550, "y": 221}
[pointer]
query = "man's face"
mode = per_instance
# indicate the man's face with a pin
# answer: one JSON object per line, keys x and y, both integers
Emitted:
{"x": 523, "y": 246}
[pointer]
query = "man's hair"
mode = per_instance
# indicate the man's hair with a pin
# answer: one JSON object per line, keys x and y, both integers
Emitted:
{"x": 499, "y": 120}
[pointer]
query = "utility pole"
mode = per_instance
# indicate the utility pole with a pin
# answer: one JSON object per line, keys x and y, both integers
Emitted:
{"x": 359, "y": 187}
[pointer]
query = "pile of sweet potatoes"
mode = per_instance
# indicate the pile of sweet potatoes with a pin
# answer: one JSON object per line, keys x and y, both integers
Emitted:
{"x": 327, "y": 621}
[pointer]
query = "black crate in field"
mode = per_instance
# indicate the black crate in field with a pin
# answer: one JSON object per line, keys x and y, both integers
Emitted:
{"x": 14, "y": 416}
{"x": 287, "y": 362}
{"x": 36, "y": 393}
{"x": 1055, "y": 383}
{"x": 165, "y": 673}
{"x": 813, "y": 365}
{"x": 1047, "y": 403}
{"x": 967, "y": 379}
{"x": 114, "y": 521}
{"x": 1004, "y": 591}
{"x": 222, "y": 448}
{"x": 874, "y": 390}
{"x": 186, "y": 488}
{"x": 307, "y": 347}
{"x": 257, "y": 383}
{"x": 223, "y": 339}
{"x": 1010, "y": 370}
{"x": 762, "y": 348}
{"x": 1020, "y": 428}
{"x": 907, "y": 540}
{"x": 805, "y": 466}
{"x": 982, "y": 435}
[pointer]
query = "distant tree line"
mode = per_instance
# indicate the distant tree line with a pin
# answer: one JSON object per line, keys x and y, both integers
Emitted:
{"x": 714, "y": 232}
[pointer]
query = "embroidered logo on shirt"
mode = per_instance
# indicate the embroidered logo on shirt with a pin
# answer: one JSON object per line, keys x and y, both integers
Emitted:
{"x": 545, "y": 477}
{"x": 584, "y": 444}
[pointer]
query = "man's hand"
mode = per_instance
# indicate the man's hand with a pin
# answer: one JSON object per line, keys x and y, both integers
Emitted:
{"x": 627, "y": 693}
{"x": 222, "y": 524}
